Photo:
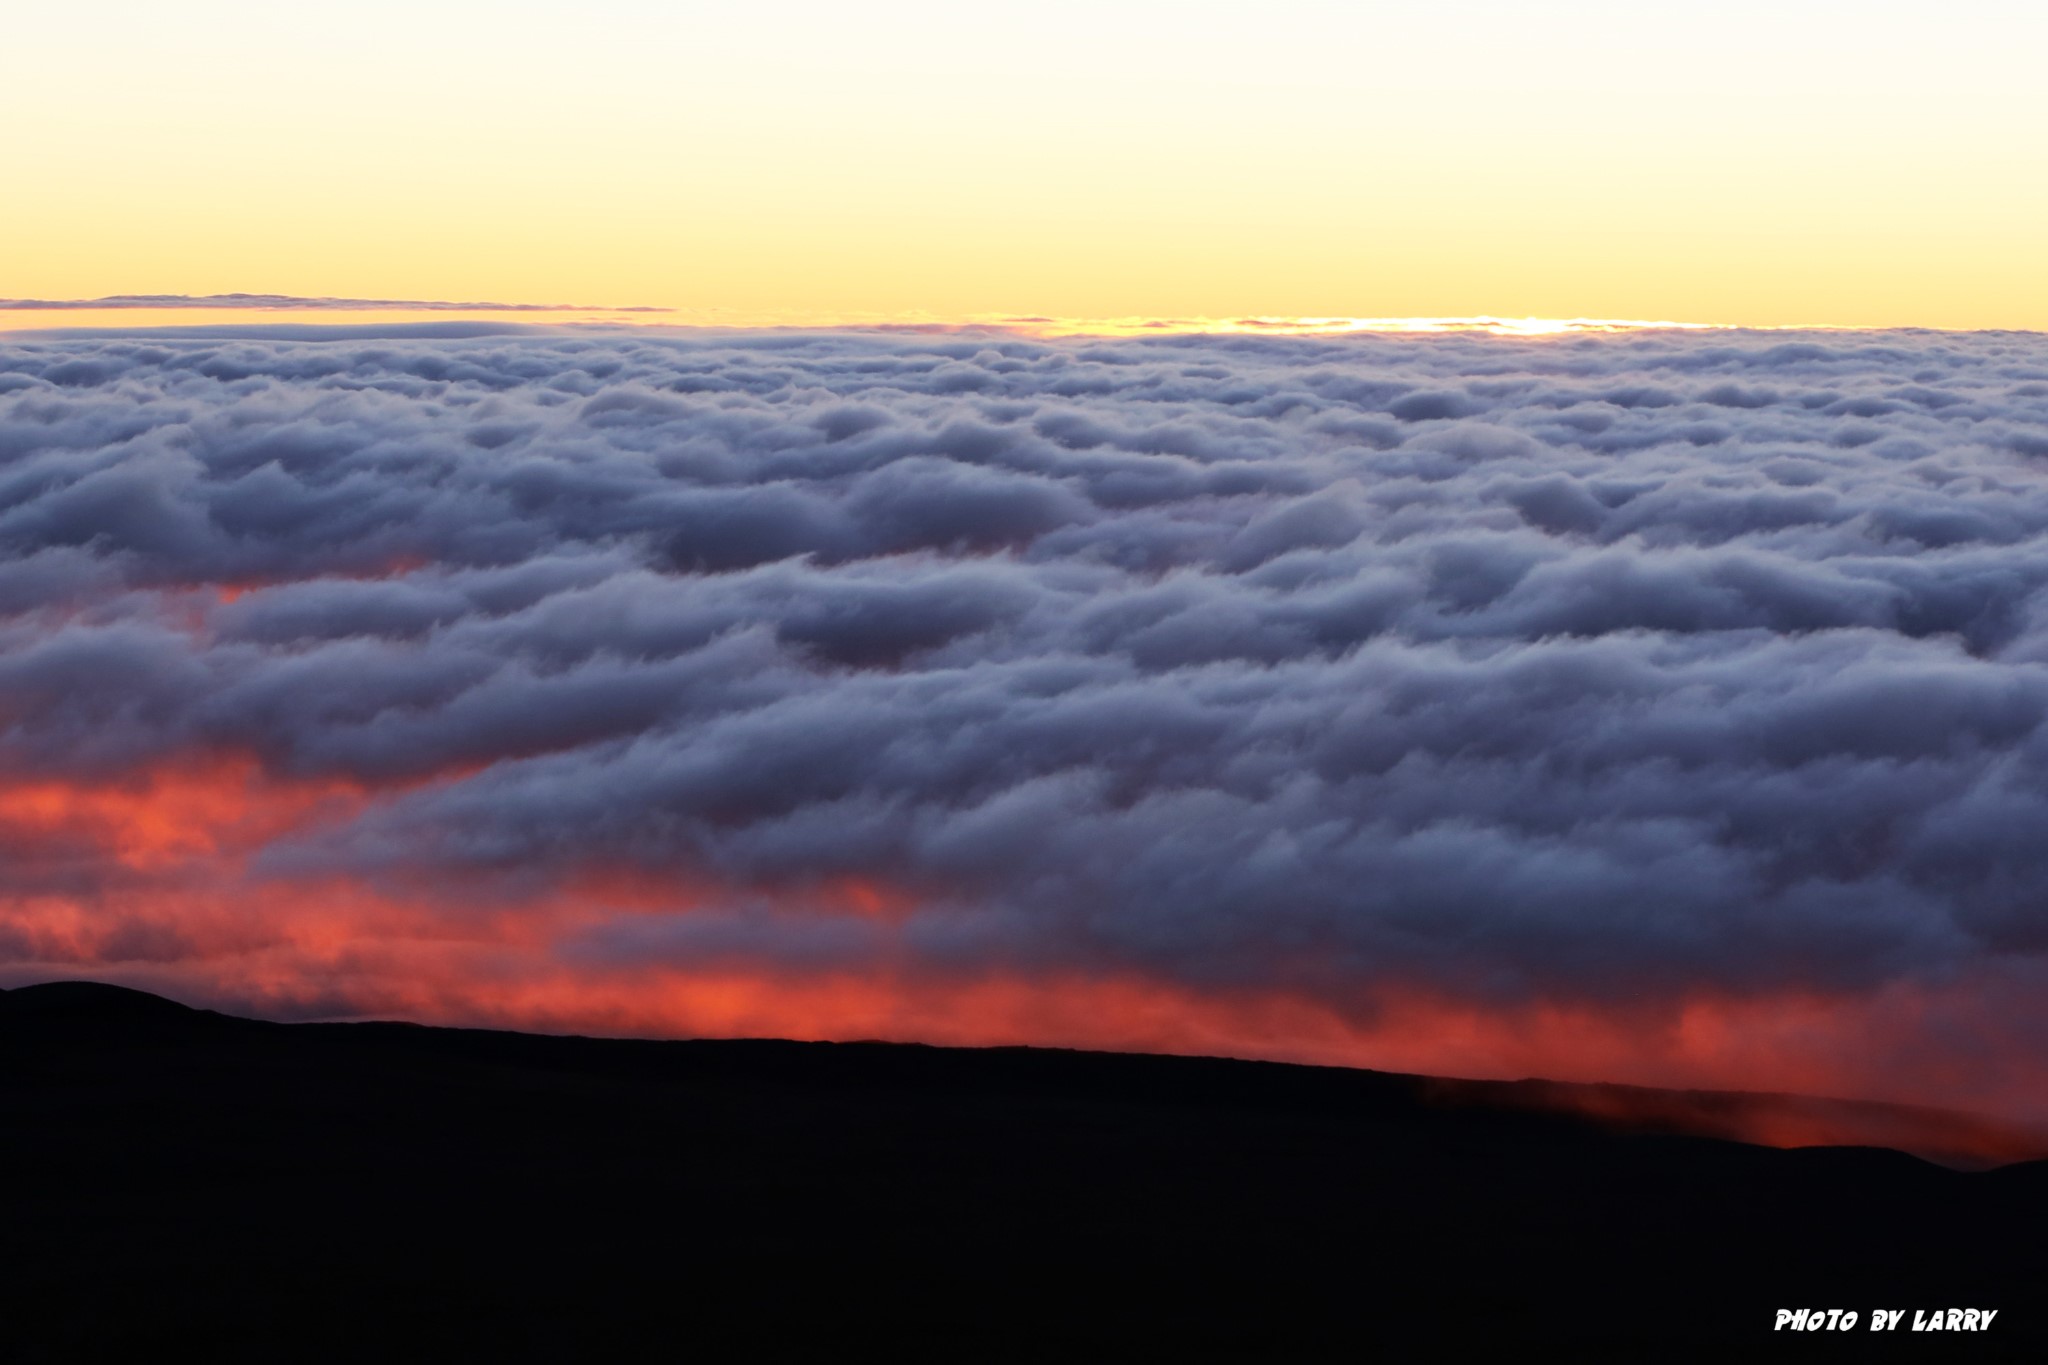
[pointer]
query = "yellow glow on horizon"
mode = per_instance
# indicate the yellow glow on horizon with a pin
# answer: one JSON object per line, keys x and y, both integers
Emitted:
{"x": 1787, "y": 163}
{"x": 37, "y": 322}
{"x": 1327, "y": 326}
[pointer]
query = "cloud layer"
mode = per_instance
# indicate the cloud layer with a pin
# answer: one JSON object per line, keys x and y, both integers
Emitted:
{"x": 1650, "y": 680}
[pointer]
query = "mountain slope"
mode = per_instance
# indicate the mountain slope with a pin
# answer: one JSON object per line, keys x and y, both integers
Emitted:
{"x": 359, "y": 1190}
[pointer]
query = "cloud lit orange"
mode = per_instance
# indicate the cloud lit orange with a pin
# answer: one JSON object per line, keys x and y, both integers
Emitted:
{"x": 1609, "y": 704}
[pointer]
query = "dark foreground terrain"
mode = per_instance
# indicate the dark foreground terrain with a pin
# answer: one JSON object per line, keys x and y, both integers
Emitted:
{"x": 171, "y": 1178}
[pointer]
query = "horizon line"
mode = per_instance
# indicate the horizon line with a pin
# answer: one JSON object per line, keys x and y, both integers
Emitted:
{"x": 308, "y": 310}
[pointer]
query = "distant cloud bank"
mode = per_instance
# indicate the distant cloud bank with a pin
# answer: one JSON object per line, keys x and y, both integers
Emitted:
{"x": 1362, "y": 698}
{"x": 294, "y": 302}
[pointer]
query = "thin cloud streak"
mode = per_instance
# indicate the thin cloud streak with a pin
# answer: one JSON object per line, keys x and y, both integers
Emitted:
{"x": 298, "y": 304}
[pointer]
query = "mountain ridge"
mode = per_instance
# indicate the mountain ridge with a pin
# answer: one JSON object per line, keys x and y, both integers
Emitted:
{"x": 364, "y": 1190}
{"x": 1946, "y": 1137}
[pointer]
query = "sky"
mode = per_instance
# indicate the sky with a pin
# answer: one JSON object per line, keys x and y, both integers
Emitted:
{"x": 1665, "y": 707}
{"x": 1801, "y": 162}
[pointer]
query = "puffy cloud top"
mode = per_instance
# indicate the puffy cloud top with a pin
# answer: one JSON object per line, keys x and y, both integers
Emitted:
{"x": 1592, "y": 668}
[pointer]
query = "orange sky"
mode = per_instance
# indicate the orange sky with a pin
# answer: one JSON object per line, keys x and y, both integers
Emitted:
{"x": 1812, "y": 162}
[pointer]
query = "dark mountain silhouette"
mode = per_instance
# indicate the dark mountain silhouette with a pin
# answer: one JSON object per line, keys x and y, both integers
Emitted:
{"x": 176, "y": 1179}
{"x": 91, "y": 1000}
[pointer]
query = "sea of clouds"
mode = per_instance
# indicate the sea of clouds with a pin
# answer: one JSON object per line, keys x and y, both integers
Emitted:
{"x": 1599, "y": 668}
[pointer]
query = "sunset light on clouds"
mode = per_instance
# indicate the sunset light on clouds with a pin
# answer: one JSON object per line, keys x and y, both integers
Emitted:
{"x": 1654, "y": 706}
{"x": 1486, "y": 539}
